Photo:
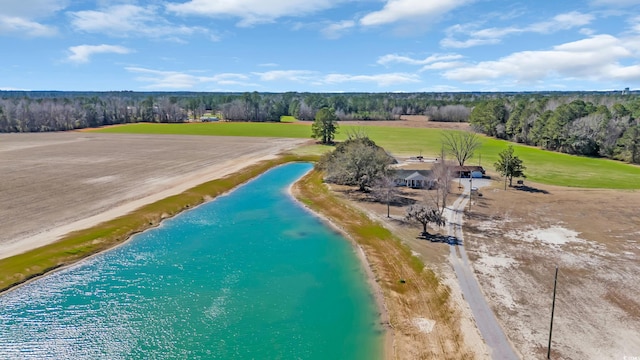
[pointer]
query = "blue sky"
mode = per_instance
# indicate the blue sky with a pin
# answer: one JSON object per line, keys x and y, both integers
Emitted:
{"x": 319, "y": 45}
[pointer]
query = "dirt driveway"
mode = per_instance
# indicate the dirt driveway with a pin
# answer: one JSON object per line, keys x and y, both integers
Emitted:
{"x": 54, "y": 183}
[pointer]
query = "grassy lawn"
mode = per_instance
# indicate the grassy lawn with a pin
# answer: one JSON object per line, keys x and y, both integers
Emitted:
{"x": 216, "y": 128}
{"x": 288, "y": 119}
{"x": 542, "y": 166}
{"x": 566, "y": 170}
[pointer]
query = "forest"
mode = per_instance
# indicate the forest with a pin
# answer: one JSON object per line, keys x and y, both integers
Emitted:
{"x": 602, "y": 124}
{"x": 55, "y": 111}
{"x": 599, "y": 126}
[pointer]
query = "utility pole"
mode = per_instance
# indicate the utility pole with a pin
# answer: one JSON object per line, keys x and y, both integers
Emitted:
{"x": 553, "y": 307}
{"x": 470, "y": 191}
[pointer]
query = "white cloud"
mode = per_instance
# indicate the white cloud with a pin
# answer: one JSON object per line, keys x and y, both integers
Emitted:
{"x": 251, "y": 12}
{"x": 30, "y": 9}
{"x": 26, "y": 27}
{"x": 159, "y": 79}
{"x": 400, "y": 10}
{"x": 2, "y": 88}
{"x": 587, "y": 31}
{"x": 442, "y": 65}
{"x": 335, "y": 30}
{"x": 559, "y": 22}
{"x": 131, "y": 20}
{"x": 433, "y": 62}
{"x": 596, "y": 58}
{"x": 82, "y": 53}
{"x": 635, "y": 24}
{"x": 315, "y": 78}
{"x": 287, "y": 75}
{"x": 381, "y": 80}
{"x": 391, "y": 58}
{"x": 452, "y": 43}
{"x": 616, "y": 3}
{"x": 18, "y": 16}
{"x": 441, "y": 88}
{"x": 489, "y": 36}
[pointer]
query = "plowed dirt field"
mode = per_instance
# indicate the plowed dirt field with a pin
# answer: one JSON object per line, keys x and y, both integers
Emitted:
{"x": 54, "y": 183}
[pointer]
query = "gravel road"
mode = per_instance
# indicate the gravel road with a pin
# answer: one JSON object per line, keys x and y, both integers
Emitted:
{"x": 486, "y": 321}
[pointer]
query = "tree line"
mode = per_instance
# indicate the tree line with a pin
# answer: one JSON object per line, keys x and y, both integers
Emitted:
{"x": 591, "y": 126}
{"x": 582, "y": 123}
{"x": 23, "y": 111}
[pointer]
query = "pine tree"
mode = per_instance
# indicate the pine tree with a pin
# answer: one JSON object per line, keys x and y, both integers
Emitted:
{"x": 509, "y": 165}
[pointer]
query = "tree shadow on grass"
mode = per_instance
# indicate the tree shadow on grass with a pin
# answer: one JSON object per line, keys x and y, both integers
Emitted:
{"x": 530, "y": 189}
{"x": 451, "y": 240}
{"x": 399, "y": 200}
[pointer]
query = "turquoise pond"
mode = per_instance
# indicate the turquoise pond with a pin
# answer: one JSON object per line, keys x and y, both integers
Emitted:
{"x": 249, "y": 275}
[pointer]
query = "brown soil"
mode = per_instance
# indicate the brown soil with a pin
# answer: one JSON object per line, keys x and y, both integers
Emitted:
{"x": 52, "y": 184}
{"x": 515, "y": 239}
{"x": 412, "y": 121}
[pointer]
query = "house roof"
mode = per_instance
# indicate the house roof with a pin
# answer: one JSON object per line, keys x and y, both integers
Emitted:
{"x": 416, "y": 176}
{"x": 467, "y": 168}
{"x": 403, "y": 173}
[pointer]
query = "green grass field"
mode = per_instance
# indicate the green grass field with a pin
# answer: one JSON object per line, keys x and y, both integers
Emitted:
{"x": 542, "y": 166}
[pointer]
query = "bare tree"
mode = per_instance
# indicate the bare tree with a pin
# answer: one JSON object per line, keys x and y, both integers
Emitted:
{"x": 385, "y": 190}
{"x": 448, "y": 113}
{"x": 460, "y": 144}
{"x": 234, "y": 111}
{"x": 441, "y": 175}
{"x": 424, "y": 214}
{"x": 306, "y": 112}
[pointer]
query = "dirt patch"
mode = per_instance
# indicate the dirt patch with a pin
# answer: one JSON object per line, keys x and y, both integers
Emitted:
{"x": 410, "y": 121}
{"x": 516, "y": 238}
{"x": 424, "y": 325}
{"x": 54, "y": 183}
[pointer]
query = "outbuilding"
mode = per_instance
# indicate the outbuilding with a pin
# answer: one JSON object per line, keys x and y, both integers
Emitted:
{"x": 467, "y": 171}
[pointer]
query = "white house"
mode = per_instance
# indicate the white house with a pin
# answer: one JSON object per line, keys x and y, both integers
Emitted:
{"x": 417, "y": 179}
